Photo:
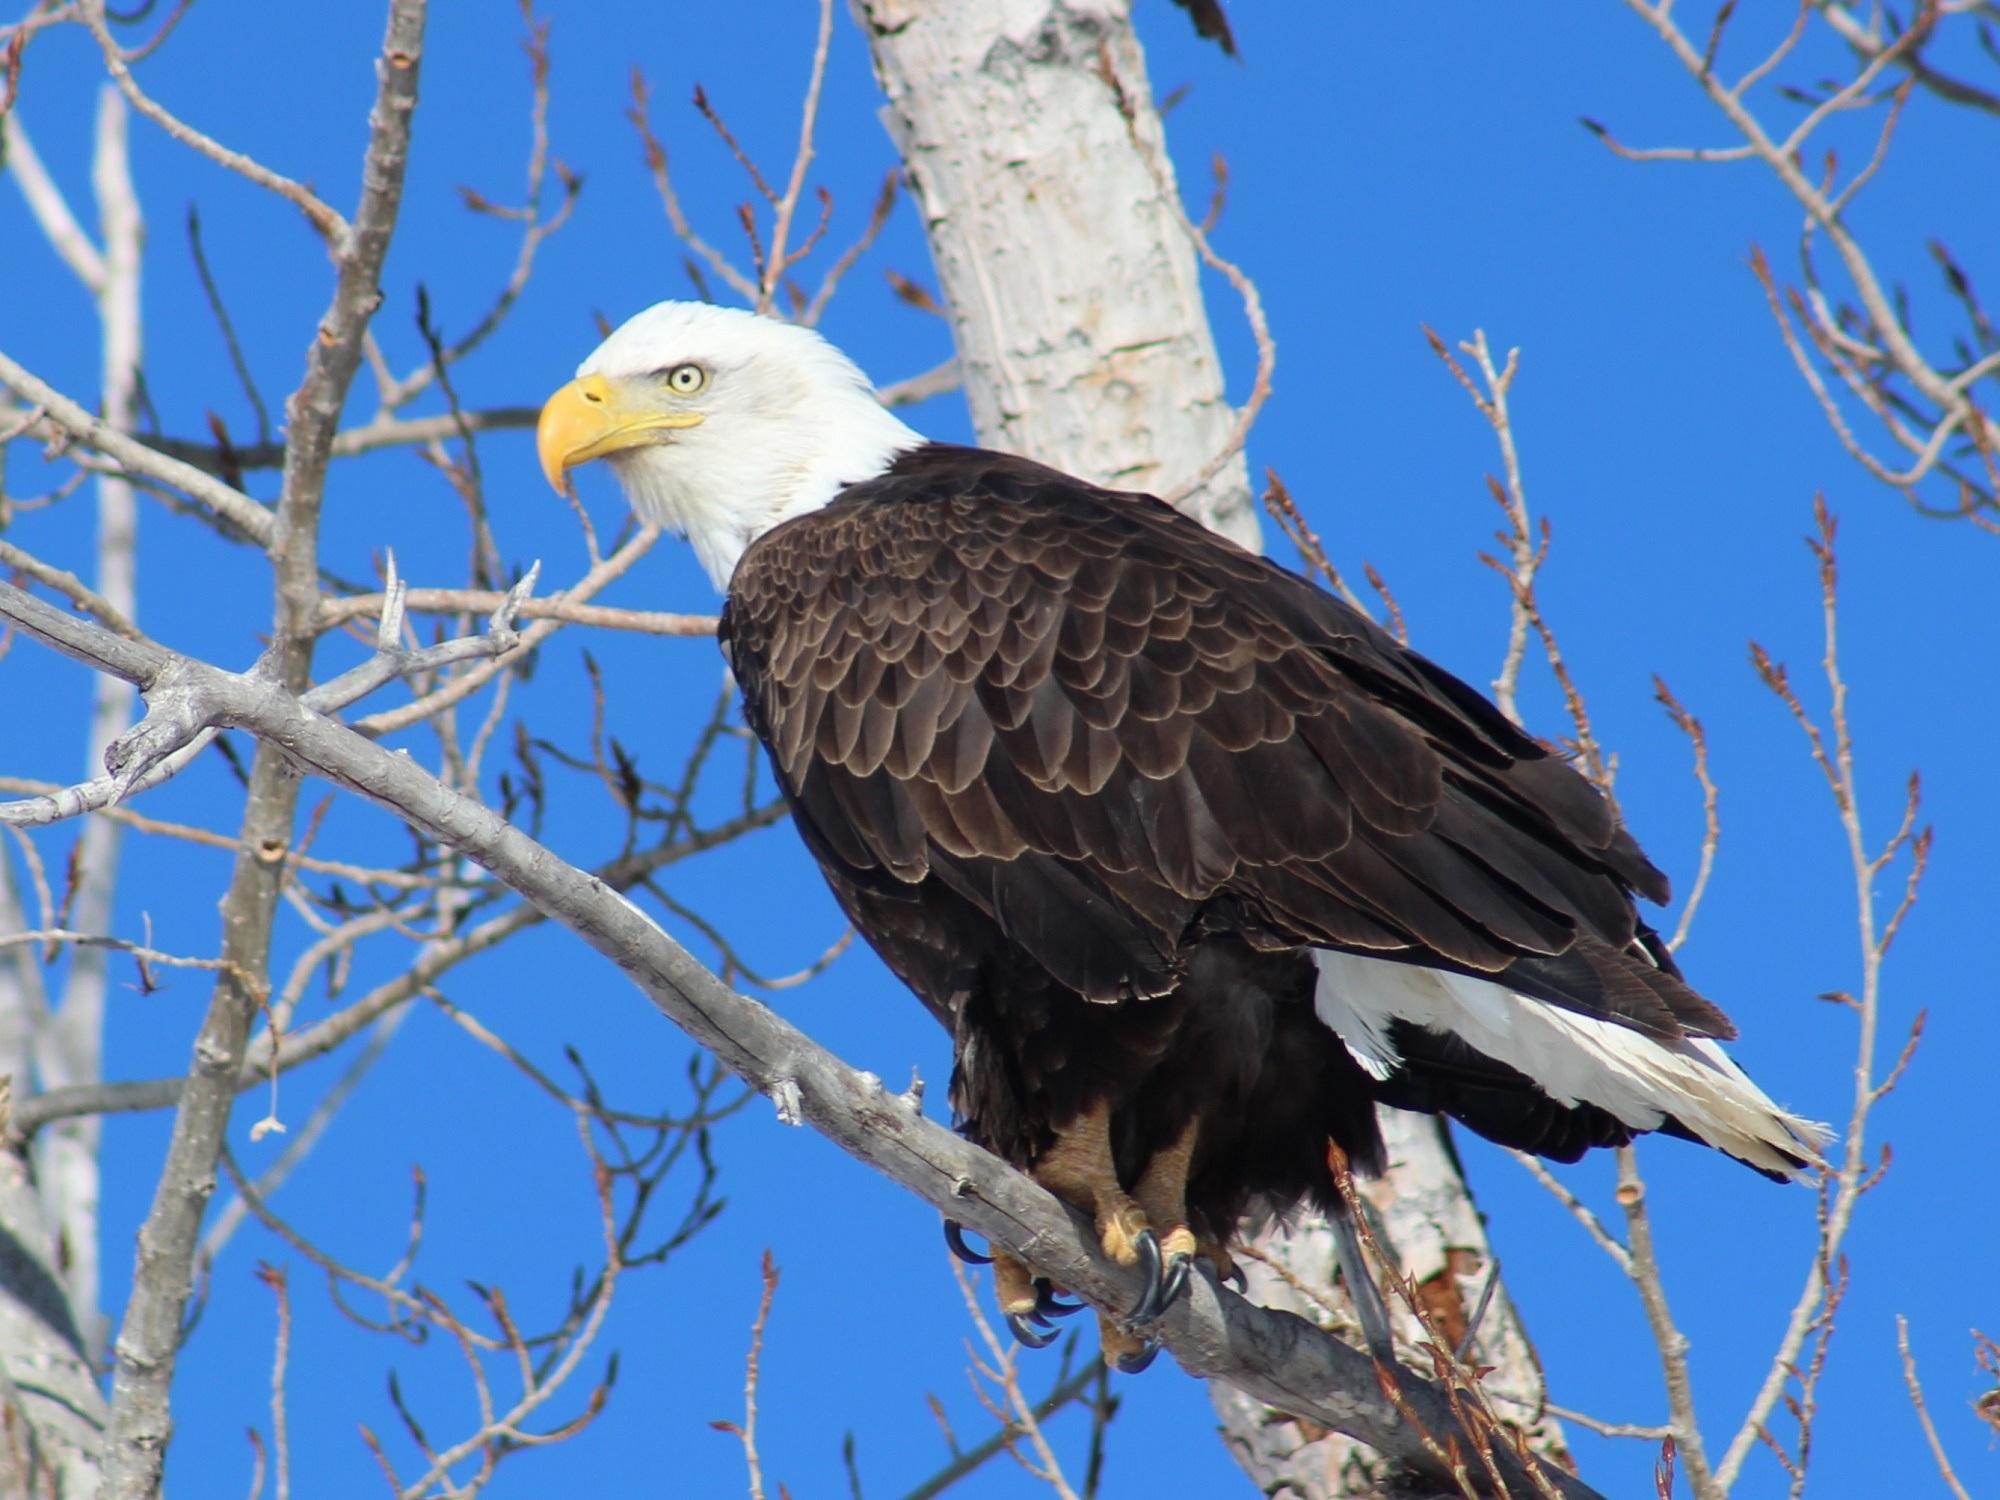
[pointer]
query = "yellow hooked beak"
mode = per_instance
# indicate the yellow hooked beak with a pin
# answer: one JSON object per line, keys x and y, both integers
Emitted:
{"x": 587, "y": 419}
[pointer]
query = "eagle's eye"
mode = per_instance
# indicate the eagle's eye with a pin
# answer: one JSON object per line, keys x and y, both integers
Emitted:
{"x": 685, "y": 380}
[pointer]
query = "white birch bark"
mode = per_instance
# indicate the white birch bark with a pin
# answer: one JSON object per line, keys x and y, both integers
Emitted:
{"x": 50, "y": 1402}
{"x": 69, "y": 1050}
{"x": 51, "y": 1329}
{"x": 1073, "y": 292}
{"x": 1032, "y": 145}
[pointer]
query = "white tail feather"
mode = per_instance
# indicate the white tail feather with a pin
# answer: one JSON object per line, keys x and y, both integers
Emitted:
{"x": 1576, "y": 1059}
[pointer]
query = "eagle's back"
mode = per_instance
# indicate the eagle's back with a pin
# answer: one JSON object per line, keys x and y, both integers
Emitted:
{"x": 1093, "y": 780}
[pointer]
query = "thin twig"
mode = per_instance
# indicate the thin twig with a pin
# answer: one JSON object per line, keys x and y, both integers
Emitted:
{"x": 229, "y": 340}
{"x": 138, "y": 459}
{"x": 1923, "y": 1412}
{"x": 1253, "y": 314}
{"x": 51, "y": 209}
{"x": 1592, "y": 1225}
{"x": 336, "y": 612}
{"x": 1519, "y": 539}
{"x": 1017, "y": 1413}
{"x": 281, "y": 1447}
{"x": 70, "y": 587}
{"x": 466, "y": 683}
{"x": 1610, "y": 1429}
{"x": 663, "y": 183}
{"x": 746, "y": 1432}
{"x": 1850, "y": 1175}
{"x": 781, "y": 259}
{"x": 1075, "y": 1388}
{"x": 1825, "y": 207}
{"x": 1671, "y": 1343}
{"x": 322, "y": 215}
{"x": 1711, "y": 822}
{"x": 1280, "y": 506}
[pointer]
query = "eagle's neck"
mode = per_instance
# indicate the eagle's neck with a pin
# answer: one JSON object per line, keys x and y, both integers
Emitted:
{"x": 790, "y": 467}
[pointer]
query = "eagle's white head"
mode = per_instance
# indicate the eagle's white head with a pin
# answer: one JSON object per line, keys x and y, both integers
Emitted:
{"x": 720, "y": 424}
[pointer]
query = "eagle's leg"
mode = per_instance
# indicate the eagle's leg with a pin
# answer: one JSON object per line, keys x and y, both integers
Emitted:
{"x": 1162, "y": 1195}
{"x": 1079, "y": 1169}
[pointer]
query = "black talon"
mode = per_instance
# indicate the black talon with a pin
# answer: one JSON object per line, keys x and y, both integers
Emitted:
{"x": 1046, "y": 1305}
{"x": 1029, "y": 1335}
{"x": 1133, "y": 1364}
{"x": 1237, "y": 1279}
{"x": 1149, "y": 1305}
{"x": 1177, "y": 1278}
{"x": 954, "y": 1236}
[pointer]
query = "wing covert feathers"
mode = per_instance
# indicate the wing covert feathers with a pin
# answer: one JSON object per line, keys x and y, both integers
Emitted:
{"x": 1111, "y": 731}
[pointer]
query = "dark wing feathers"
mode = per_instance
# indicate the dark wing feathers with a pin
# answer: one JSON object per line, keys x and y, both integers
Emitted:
{"x": 1094, "y": 720}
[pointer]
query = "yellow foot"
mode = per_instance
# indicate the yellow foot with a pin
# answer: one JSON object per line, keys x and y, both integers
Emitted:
{"x": 1029, "y": 1302}
{"x": 1123, "y": 1351}
{"x": 1013, "y": 1286}
{"x": 1120, "y": 1225}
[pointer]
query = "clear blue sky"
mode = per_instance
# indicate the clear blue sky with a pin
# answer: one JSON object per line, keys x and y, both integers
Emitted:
{"x": 1391, "y": 166}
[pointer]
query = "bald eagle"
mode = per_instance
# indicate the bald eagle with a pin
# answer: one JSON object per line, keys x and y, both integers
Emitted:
{"x": 1194, "y": 862}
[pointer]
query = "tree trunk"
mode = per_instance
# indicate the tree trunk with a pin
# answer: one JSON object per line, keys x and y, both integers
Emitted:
{"x": 1033, "y": 147}
{"x": 52, "y": 1411}
{"x": 70, "y": 1050}
{"x": 1073, "y": 291}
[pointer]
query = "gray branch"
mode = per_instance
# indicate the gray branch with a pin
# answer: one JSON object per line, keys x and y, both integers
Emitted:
{"x": 392, "y": 659}
{"x": 168, "y": 750}
{"x": 167, "y": 741}
{"x": 383, "y": 432}
{"x": 149, "y": 1338}
{"x": 137, "y": 459}
{"x": 1281, "y": 1359}
{"x": 919, "y": 388}
{"x": 407, "y": 432}
{"x": 296, "y": 1048}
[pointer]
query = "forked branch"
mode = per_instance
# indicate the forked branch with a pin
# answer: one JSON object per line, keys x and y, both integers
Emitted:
{"x": 1280, "y": 1359}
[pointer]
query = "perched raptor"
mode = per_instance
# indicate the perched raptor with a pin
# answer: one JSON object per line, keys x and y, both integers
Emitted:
{"x": 1194, "y": 862}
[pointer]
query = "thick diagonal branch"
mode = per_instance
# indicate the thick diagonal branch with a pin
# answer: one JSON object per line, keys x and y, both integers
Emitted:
{"x": 1280, "y": 1359}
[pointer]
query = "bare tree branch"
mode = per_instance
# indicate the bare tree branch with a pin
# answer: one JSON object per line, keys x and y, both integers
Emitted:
{"x": 72, "y": 588}
{"x": 782, "y": 257}
{"x": 50, "y": 208}
{"x": 918, "y": 388}
{"x": 136, "y": 458}
{"x": 1577, "y": 1209}
{"x": 463, "y": 686}
{"x": 1850, "y": 1174}
{"x": 370, "y": 437}
{"x": 1870, "y": 347}
{"x": 267, "y": 1055}
{"x": 150, "y": 1336}
{"x": 323, "y": 217}
{"x": 1916, "y": 1390}
{"x": 1073, "y": 1388}
{"x": 1280, "y": 1359}
{"x": 564, "y": 609}
{"x": 1644, "y": 1269}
